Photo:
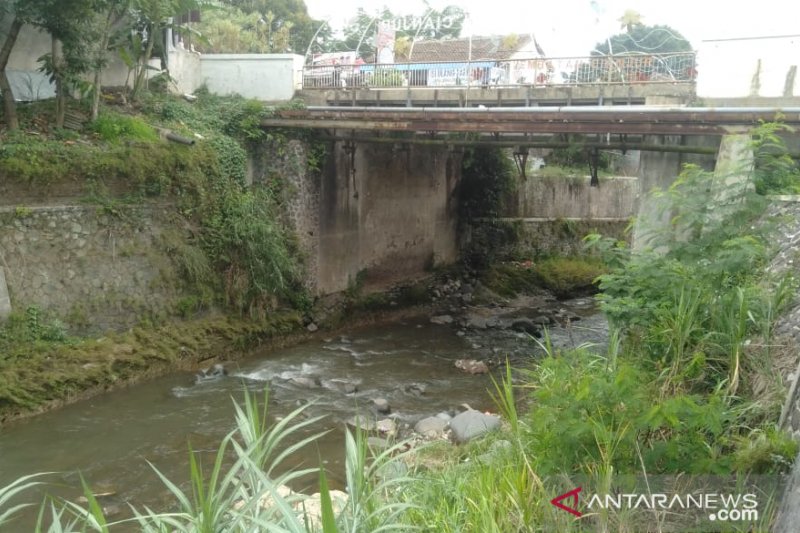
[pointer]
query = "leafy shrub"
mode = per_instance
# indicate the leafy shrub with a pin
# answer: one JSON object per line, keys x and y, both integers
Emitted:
{"x": 678, "y": 394}
{"x": 510, "y": 279}
{"x": 113, "y": 127}
{"x": 388, "y": 78}
{"x": 569, "y": 276}
{"x": 231, "y": 157}
{"x": 775, "y": 172}
{"x": 31, "y": 326}
{"x": 244, "y": 121}
{"x": 591, "y": 415}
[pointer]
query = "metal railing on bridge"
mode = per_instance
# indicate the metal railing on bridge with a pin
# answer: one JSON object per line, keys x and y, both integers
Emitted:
{"x": 626, "y": 68}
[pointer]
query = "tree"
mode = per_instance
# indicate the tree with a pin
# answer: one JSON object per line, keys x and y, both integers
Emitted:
{"x": 629, "y": 20}
{"x": 644, "y": 39}
{"x": 151, "y": 20}
{"x": 637, "y": 55}
{"x": 109, "y": 19}
{"x": 7, "y": 12}
{"x": 289, "y": 26}
{"x": 66, "y": 22}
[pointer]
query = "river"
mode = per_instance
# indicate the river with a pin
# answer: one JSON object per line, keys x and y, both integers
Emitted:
{"x": 110, "y": 439}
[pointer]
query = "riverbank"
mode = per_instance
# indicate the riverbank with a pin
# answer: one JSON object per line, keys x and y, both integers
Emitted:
{"x": 41, "y": 376}
{"x": 39, "y": 373}
{"x": 409, "y": 362}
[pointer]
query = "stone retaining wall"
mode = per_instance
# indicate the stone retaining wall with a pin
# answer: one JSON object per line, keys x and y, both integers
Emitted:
{"x": 786, "y": 211}
{"x": 94, "y": 268}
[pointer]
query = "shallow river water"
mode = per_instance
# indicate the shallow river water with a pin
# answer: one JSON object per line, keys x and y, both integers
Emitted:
{"x": 110, "y": 439}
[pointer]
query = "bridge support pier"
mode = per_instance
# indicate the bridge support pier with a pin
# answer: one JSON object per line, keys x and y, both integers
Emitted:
{"x": 387, "y": 213}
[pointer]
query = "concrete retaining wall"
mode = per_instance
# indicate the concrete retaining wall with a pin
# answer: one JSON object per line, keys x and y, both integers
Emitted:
{"x": 573, "y": 197}
{"x": 95, "y": 270}
{"x": 541, "y": 237}
{"x": 551, "y": 216}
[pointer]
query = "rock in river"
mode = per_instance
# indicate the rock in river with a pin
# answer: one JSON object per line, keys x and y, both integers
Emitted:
{"x": 472, "y": 366}
{"x": 304, "y": 382}
{"x": 471, "y": 424}
{"x": 431, "y": 427}
{"x": 382, "y": 406}
{"x": 526, "y": 325}
{"x": 442, "y": 319}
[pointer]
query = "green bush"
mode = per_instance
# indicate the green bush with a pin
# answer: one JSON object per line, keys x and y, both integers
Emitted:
{"x": 114, "y": 128}
{"x": 569, "y": 276}
{"x": 775, "y": 172}
{"x": 592, "y": 415}
{"x": 31, "y": 326}
{"x": 388, "y": 78}
{"x": 511, "y": 279}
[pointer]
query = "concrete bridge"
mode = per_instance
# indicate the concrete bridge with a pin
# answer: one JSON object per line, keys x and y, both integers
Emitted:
{"x": 635, "y": 120}
{"x": 501, "y": 96}
{"x": 503, "y": 79}
{"x": 386, "y": 202}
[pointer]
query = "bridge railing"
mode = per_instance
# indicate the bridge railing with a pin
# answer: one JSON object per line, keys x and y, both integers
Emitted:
{"x": 629, "y": 68}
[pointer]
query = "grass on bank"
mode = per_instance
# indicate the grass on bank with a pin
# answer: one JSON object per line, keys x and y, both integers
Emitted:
{"x": 565, "y": 277}
{"x": 37, "y": 370}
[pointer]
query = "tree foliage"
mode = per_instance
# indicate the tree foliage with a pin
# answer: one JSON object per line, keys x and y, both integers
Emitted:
{"x": 287, "y": 26}
{"x": 659, "y": 39}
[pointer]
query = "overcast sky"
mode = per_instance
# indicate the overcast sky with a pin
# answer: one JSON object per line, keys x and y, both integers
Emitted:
{"x": 572, "y": 27}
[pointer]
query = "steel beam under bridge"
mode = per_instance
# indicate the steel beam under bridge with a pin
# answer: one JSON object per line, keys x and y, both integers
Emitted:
{"x": 651, "y": 120}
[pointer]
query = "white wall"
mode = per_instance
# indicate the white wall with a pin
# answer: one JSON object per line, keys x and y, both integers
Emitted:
{"x": 28, "y": 83}
{"x": 184, "y": 68}
{"x": 266, "y": 77}
{"x": 726, "y": 68}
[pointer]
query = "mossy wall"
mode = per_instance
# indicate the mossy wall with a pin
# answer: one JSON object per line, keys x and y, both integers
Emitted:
{"x": 550, "y": 216}
{"x": 572, "y": 197}
{"x": 526, "y": 238}
{"x": 94, "y": 268}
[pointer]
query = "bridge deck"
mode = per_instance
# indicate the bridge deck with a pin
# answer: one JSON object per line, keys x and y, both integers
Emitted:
{"x": 528, "y": 96}
{"x": 599, "y": 119}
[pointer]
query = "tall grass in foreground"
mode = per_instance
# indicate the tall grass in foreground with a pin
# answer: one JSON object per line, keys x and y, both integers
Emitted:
{"x": 252, "y": 494}
{"x": 7, "y": 493}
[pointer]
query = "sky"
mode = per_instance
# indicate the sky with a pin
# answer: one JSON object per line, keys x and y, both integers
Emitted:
{"x": 573, "y": 27}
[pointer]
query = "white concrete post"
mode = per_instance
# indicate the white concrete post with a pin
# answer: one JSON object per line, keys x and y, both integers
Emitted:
{"x": 5, "y": 300}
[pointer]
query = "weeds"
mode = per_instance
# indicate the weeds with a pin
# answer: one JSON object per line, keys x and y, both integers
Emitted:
{"x": 115, "y": 128}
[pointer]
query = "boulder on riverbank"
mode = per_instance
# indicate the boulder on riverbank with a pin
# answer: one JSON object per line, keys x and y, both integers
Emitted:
{"x": 471, "y": 424}
{"x": 431, "y": 427}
